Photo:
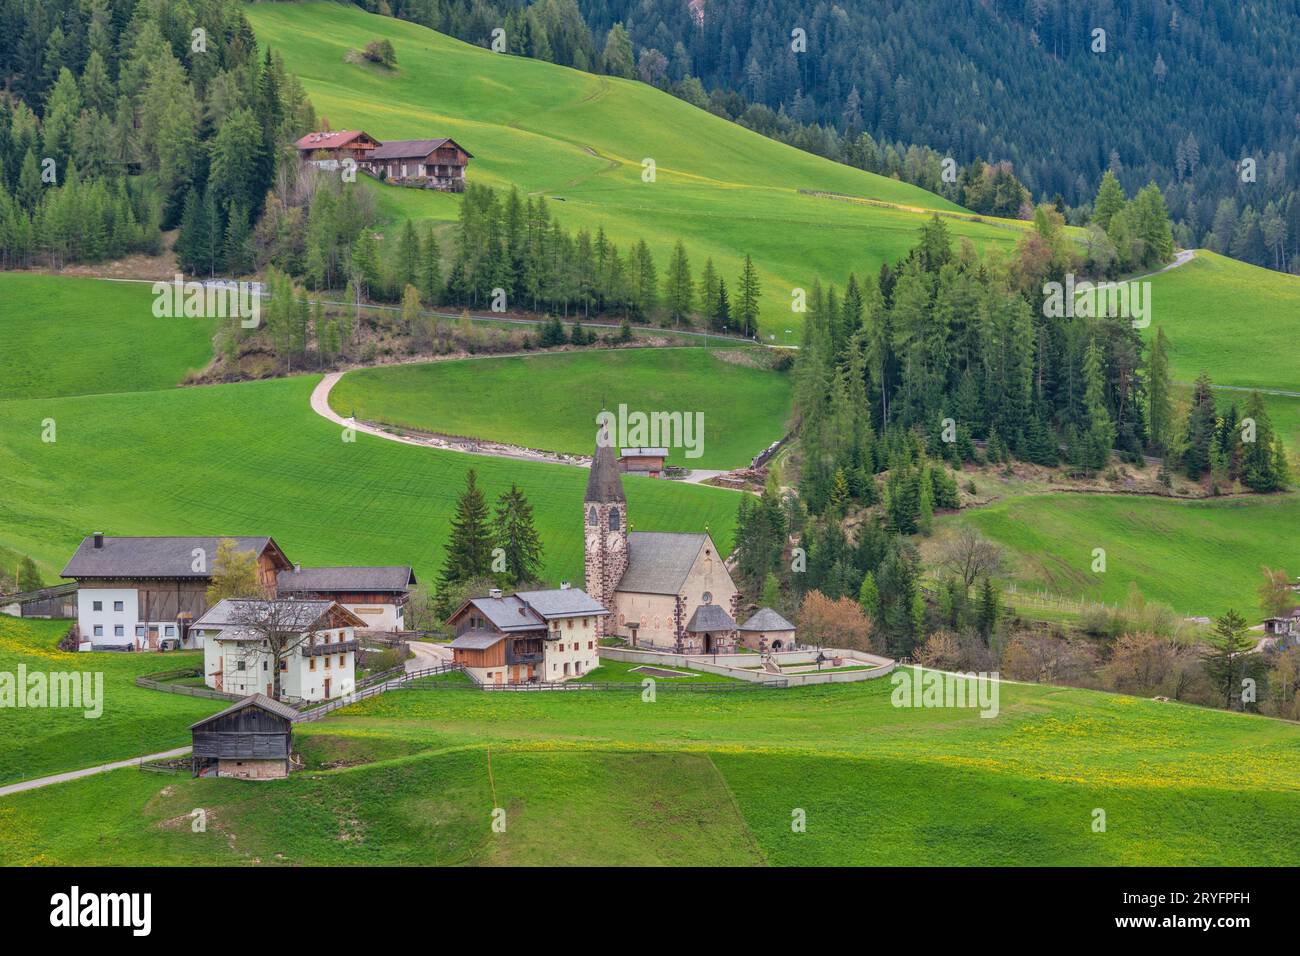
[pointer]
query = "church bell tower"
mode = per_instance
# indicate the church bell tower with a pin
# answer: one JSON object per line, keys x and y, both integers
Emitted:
{"x": 604, "y": 511}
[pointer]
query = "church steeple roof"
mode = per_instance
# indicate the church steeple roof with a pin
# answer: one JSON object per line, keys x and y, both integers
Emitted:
{"x": 603, "y": 484}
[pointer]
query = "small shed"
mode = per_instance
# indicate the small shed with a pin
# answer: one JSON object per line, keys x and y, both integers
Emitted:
{"x": 767, "y": 631}
{"x": 642, "y": 461}
{"x": 251, "y": 739}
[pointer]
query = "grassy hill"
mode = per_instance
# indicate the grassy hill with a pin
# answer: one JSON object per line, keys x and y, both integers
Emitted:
{"x": 602, "y": 778}
{"x": 1237, "y": 321}
{"x": 550, "y": 401}
{"x": 580, "y": 139}
{"x": 1200, "y": 557}
{"x": 66, "y": 336}
{"x": 252, "y": 458}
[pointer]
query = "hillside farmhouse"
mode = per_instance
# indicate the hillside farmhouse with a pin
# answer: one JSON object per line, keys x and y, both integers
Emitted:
{"x": 319, "y": 639}
{"x": 377, "y": 595}
{"x": 143, "y": 593}
{"x": 665, "y": 590}
{"x": 529, "y": 636}
{"x": 251, "y": 740}
{"x": 328, "y": 150}
{"x": 1285, "y": 626}
{"x": 432, "y": 163}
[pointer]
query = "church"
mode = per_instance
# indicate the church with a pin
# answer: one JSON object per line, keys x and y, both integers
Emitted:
{"x": 665, "y": 590}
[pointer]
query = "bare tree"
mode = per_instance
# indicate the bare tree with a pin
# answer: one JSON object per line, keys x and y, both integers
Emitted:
{"x": 278, "y": 628}
{"x": 969, "y": 556}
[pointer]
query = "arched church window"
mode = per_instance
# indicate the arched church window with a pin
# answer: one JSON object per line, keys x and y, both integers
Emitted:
{"x": 613, "y": 519}
{"x": 592, "y": 518}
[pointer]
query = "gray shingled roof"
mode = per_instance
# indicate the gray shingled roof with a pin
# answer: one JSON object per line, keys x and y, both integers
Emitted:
{"x": 253, "y": 700}
{"x": 379, "y": 578}
{"x": 658, "y": 561}
{"x": 152, "y": 557}
{"x": 710, "y": 617}
{"x": 409, "y": 148}
{"x": 604, "y": 484}
{"x": 765, "y": 619}
{"x": 477, "y": 640}
{"x": 508, "y": 613}
{"x": 562, "y": 602}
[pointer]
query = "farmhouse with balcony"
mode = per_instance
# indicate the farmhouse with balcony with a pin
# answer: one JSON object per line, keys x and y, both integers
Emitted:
{"x": 328, "y": 150}
{"x": 143, "y": 593}
{"x": 377, "y": 595}
{"x": 529, "y": 636}
{"x": 251, "y": 739}
{"x": 319, "y": 638}
{"x": 665, "y": 590}
{"x": 431, "y": 163}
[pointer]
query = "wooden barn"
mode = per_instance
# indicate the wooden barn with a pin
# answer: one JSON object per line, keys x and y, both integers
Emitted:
{"x": 430, "y": 163}
{"x": 251, "y": 739}
{"x": 327, "y": 149}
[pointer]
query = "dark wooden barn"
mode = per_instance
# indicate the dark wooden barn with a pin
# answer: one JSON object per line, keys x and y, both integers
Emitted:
{"x": 251, "y": 739}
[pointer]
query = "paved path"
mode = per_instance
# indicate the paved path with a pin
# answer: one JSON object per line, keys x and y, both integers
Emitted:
{"x": 320, "y": 404}
{"x": 75, "y": 774}
{"x": 427, "y": 655}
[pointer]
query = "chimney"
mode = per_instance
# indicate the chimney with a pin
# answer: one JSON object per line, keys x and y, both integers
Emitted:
{"x": 564, "y": 585}
{"x": 297, "y": 568}
{"x": 494, "y": 592}
{"x": 99, "y": 539}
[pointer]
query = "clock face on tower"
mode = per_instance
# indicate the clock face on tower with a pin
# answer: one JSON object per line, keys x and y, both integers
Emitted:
{"x": 593, "y": 541}
{"x": 614, "y": 541}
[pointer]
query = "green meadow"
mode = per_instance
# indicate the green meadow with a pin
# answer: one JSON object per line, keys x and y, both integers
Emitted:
{"x": 551, "y": 401}
{"x": 711, "y": 779}
{"x": 133, "y": 721}
{"x": 581, "y": 140}
{"x": 66, "y": 336}
{"x": 1201, "y": 557}
{"x": 253, "y": 458}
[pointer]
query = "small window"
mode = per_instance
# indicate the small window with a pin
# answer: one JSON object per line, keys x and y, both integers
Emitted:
{"x": 311, "y": 664}
{"x": 99, "y": 630}
{"x": 169, "y": 630}
{"x": 241, "y": 665}
{"x": 119, "y": 630}
{"x": 119, "y": 606}
{"x": 570, "y": 623}
{"x": 139, "y": 630}
{"x": 707, "y": 597}
{"x": 97, "y": 605}
{"x": 591, "y": 645}
{"x": 343, "y": 660}
{"x": 263, "y": 665}
{"x": 613, "y": 519}
{"x": 592, "y": 518}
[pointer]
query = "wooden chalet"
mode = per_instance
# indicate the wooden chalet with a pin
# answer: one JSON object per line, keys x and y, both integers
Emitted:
{"x": 527, "y": 637}
{"x": 252, "y": 740}
{"x": 430, "y": 163}
{"x": 327, "y": 150}
{"x": 642, "y": 461}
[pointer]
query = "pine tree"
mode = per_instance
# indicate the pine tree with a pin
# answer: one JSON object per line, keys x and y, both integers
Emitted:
{"x": 517, "y": 538}
{"x": 1098, "y": 432}
{"x": 747, "y": 299}
{"x": 1201, "y": 419}
{"x": 1110, "y": 200}
{"x": 1159, "y": 403}
{"x": 679, "y": 288}
{"x": 469, "y": 546}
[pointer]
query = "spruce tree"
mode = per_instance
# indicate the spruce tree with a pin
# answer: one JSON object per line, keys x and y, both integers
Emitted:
{"x": 469, "y": 547}
{"x": 516, "y": 536}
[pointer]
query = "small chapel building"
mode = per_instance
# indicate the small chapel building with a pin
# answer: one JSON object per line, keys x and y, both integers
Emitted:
{"x": 666, "y": 591}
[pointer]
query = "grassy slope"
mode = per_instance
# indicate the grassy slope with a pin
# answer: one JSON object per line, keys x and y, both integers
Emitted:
{"x": 550, "y": 401}
{"x": 1200, "y": 557}
{"x": 1231, "y": 319}
{"x": 252, "y": 458}
{"x": 134, "y": 721}
{"x": 581, "y": 138}
{"x": 714, "y": 778}
{"x": 65, "y": 336}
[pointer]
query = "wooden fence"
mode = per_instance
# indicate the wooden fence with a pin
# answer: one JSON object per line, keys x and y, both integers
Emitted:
{"x": 163, "y": 681}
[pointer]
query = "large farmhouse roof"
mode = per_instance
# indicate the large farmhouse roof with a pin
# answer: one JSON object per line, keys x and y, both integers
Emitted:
{"x": 658, "y": 561}
{"x": 255, "y": 700}
{"x": 507, "y": 613}
{"x": 379, "y": 578}
{"x": 414, "y": 148}
{"x": 157, "y": 557}
{"x": 331, "y": 140}
{"x": 239, "y": 615}
{"x": 710, "y": 617}
{"x": 562, "y": 602}
{"x": 765, "y": 619}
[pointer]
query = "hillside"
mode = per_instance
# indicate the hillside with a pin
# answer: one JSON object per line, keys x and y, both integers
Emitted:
{"x": 580, "y": 140}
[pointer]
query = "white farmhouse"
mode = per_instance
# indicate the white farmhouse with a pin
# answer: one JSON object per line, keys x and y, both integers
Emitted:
{"x": 319, "y": 637}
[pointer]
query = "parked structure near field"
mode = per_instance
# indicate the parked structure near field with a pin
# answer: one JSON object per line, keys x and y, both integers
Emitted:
{"x": 143, "y": 593}
{"x": 317, "y": 641}
{"x": 327, "y": 150}
{"x": 529, "y": 636}
{"x": 665, "y": 590}
{"x": 377, "y": 595}
{"x": 431, "y": 163}
{"x": 251, "y": 739}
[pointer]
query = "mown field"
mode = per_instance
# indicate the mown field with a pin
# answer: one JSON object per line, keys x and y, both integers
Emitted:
{"x": 551, "y": 401}
{"x": 1200, "y": 557}
{"x": 1237, "y": 321}
{"x": 580, "y": 140}
{"x": 134, "y": 721}
{"x": 711, "y": 779}
{"x": 66, "y": 336}
{"x": 252, "y": 458}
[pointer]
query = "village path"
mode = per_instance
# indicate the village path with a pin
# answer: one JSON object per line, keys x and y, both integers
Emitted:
{"x": 427, "y": 655}
{"x": 77, "y": 774}
{"x": 320, "y": 404}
